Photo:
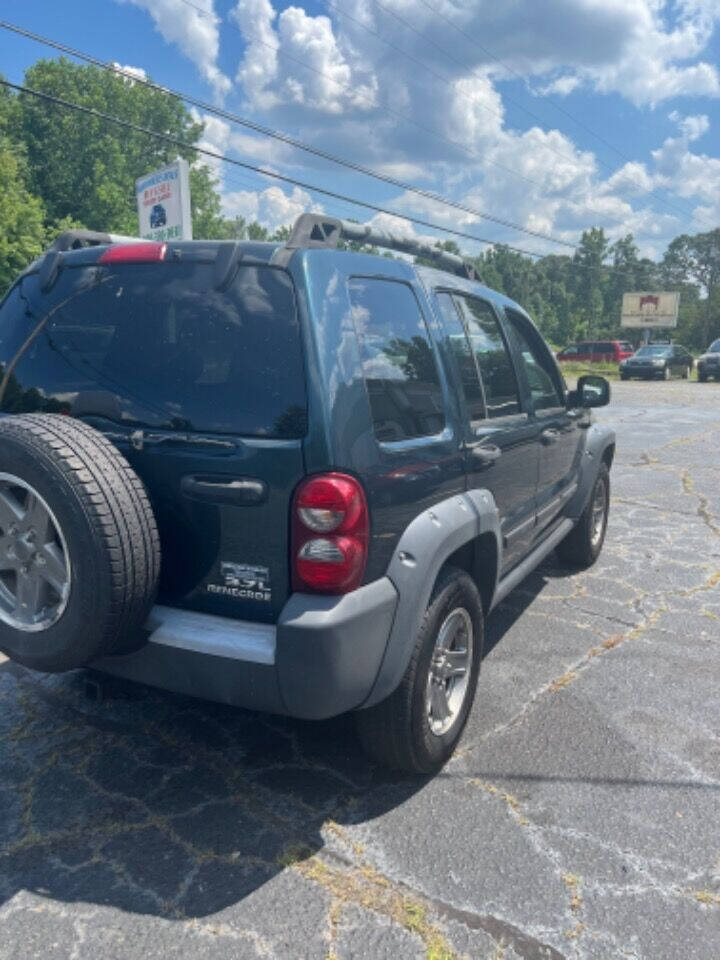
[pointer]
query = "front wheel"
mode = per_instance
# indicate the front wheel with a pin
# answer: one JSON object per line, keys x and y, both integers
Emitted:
{"x": 702, "y": 377}
{"x": 666, "y": 373}
{"x": 582, "y": 546}
{"x": 418, "y": 726}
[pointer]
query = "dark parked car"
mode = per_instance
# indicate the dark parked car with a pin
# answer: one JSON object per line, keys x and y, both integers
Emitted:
{"x": 708, "y": 365}
{"x": 292, "y": 478}
{"x": 658, "y": 361}
{"x": 158, "y": 216}
{"x": 597, "y": 351}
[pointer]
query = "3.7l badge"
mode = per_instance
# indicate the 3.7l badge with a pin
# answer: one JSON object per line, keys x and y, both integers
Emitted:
{"x": 244, "y": 581}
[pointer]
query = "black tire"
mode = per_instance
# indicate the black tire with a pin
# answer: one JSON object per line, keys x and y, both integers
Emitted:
{"x": 624, "y": 376}
{"x": 686, "y": 373}
{"x": 581, "y": 547}
{"x": 702, "y": 377}
{"x": 102, "y": 510}
{"x": 397, "y": 732}
{"x": 667, "y": 372}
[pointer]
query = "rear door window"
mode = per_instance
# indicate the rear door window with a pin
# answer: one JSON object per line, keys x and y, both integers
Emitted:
{"x": 502, "y": 396}
{"x": 398, "y": 362}
{"x": 157, "y": 345}
{"x": 464, "y": 357}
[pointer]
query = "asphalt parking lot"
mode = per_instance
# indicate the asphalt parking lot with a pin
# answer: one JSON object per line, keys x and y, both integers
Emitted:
{"x": 579, "y": 819}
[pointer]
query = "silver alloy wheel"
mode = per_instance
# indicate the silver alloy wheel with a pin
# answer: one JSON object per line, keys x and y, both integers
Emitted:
{"x": 449, "y": 673}
{"x": 34, "y": 561}
{"x": 599, "y": 512}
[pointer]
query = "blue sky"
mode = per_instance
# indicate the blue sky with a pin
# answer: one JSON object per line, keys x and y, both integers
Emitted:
{"x": 553, "y": 114}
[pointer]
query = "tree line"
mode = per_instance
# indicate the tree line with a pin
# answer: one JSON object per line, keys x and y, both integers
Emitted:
{"x": 61, "y": 169}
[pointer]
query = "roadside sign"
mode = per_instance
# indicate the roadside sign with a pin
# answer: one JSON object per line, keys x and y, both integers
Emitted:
{"x": 163, "y": 200}
{"x": 650, "y": 310}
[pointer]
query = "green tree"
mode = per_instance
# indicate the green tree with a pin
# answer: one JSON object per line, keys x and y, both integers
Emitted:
{"x": 22, "y": 216}
{"x": 282, "y": 234}
{"x": 256, "y": 231}
{"x": 590, "y": 277}
{"x": 695, "y": 260}
{"x": 85, "y": 167}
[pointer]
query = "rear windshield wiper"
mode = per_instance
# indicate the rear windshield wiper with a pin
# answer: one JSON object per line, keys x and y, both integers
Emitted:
{"x": 139, "y": 439}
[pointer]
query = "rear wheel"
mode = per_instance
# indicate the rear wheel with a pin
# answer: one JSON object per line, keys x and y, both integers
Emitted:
{"x": 702, "y": 376}
{"x": 582, "y": 546}
{"x": 79, "y": 550}
{"x": 418, "y": 726}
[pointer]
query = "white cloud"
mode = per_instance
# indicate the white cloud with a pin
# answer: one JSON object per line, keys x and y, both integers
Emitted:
{"x": 272, "y": 207}
{"x": 562, "y": 85}
{"x": 295, "y": 59}
{"x": 631, "y": 178}
{"x": 692, "y": 127}
{"x": 646, "y": 50}
{"x": 130, "y": 73}
{"x": 690, "y": 175}
{"x": 194, "y": 30}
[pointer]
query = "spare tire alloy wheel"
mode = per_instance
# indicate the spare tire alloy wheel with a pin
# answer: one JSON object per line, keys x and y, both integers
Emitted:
{"x": 35, "y": 572}
{"x": 79, "y": 548}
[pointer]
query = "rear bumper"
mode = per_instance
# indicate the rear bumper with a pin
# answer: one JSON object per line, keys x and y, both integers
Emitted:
{"x": 320, "y": 660}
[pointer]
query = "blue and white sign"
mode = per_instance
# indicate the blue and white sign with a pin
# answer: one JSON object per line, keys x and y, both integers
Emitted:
{"x": 163, "y": 200}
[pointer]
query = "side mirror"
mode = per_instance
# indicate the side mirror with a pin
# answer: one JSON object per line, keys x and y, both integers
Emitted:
{"x": 591, "y": 391}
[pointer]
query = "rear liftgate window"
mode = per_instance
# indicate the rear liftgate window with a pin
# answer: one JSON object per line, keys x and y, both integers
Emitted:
{"x": 398, "y": 361}
{"x": 157, "y": 345}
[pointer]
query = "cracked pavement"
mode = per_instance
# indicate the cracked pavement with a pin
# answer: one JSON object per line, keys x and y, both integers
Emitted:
{"x": 579, "y": 818}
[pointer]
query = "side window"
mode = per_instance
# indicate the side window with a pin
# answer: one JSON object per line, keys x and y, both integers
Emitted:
{"x": 570, "y": 352}
{"x": 464, "y": 358}
{"x": 502, "y": 397}
{"x": 398, "y": 362}
{"x": 537, "y": 362}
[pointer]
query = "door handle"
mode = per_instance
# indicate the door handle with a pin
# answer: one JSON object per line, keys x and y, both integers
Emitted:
{"x": 233, "y": 490}
{"x": 486, "y": 454}
{"x": 551, "y": 435}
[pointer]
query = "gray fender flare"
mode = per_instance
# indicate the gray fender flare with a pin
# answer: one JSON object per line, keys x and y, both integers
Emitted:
{"x": 599, "y": 439}
{"x": 432, "y": 537}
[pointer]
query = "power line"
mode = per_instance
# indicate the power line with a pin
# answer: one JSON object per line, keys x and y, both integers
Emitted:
{"x": 583, "y": 126}
{"x": 284, "y": 137}
{"x": 313, "y": 188}
{"x": 178, "y": 142}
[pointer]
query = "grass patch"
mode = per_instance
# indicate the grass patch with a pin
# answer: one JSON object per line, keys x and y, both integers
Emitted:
{"x": 574, "y": 370}
{"x": 563, "y": 681}
{"x": 707, "y": 897}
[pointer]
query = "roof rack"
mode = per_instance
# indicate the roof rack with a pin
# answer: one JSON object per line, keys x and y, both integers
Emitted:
{"x": 315, "y": 230}
{"x": 77, "y": 239}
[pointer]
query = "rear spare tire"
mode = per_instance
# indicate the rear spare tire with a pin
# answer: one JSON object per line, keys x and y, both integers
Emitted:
{"x": 79, "y": 548}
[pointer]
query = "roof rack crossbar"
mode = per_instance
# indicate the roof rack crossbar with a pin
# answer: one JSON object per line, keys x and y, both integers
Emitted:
{"x": 315, "y": 230}
{"x": 77, "y": 239}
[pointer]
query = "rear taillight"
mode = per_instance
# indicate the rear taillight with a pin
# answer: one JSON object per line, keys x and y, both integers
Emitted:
{"x": 330, "y": 528}
{"x": 134, "y": 253}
